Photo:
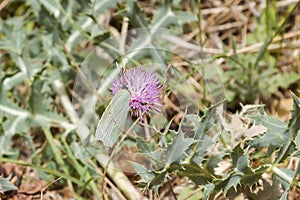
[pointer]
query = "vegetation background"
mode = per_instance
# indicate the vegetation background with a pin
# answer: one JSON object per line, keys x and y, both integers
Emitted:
{"x": 251, "y": 152}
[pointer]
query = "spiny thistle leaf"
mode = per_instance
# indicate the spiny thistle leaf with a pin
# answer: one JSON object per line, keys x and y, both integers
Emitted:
{"x": 240, "y": 160}
{"x": 52, "y": 7}
{"x": 269, "y": 139}
{"x": 137, "y": 15}
{"x": 149, "y": 179}
{"x": 251, "y": 178}
{"x": 208, "y": 190}
{"x": 294, "y": 123}
{"x": 277, "y": 135}
{"x": 179, "y": 145}
{"x": 149, "y": 149}
{"x": 159, "y": 179}
{"x": 202, "y": 124}
{"x": 146, "y": 175}
{"x": 232, "y": 182}
{"x": 194, "y": 172}
{"x": 144, "y": 146}
{"x": 163, "y": 17}
{"x": 297, "y": 141}
{"x": 100, "y": 6}
{"x": 201, "y": 127}
{"x": 274, "y": 125}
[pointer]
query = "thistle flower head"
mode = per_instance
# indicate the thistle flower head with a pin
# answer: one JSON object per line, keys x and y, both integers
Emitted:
{"x": 144, "y": 88}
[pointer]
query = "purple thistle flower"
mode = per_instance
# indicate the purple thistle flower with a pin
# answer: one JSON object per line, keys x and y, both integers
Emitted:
{"x": 144, "y": 88}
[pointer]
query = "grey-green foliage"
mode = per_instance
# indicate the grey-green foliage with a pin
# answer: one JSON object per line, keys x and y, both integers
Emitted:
{"x": 178, "y": 154}
{"x": 149, "y": 41}
{"x": 40, "y": 45}
{"x": 256, "y": 75}
{"x": 6, "y": 185}
{"x": 281, "y": 139}
{"x": 34, "y": 41}
{"x": 251, "y": 82}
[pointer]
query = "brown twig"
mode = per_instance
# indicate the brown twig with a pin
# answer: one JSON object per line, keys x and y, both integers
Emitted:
{"x": 103, "y": 185}
{"x": 4, "y": 4}
{"x": 255, "y": 47}
{"x": 78, "y": 69}
{"x": 171, "y": 189}
{"x": 119, "y": 193}
{"x": 42, "y": 191}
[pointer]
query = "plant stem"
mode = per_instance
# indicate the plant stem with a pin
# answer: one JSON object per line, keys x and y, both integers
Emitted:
{"x": 281, "y": 174}
{"x": 57, "y": 154}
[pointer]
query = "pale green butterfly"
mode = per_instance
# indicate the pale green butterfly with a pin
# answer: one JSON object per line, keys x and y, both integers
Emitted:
{"x": 112, "y": 122}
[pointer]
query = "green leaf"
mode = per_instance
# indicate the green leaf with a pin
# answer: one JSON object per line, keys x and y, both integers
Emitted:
{"x": 159, "y": 179}
{"x": 202, "y": 149}
{"x": 20, "y": 120}
{"x": 15, "y": 35}
{"x": 144, "y": 45}
{"x": 163, "y": 143}
{"x": 17, "y": 119}
{"x": 145, "y": 174}
{"x": 194, "y": 172}
{"x": 201, "y": 127}
{"x": 203, "y": 124}
{"x": 6, "y": 185}
{"x": 96, "y": 30}
{"x": 269, "y": 139}
{"x": 38, "y": 101}
{"x": 86, "y": 24}
{"x": 150, "y": 179}
{"x": 284, "y": 176}
{"x": 179, "y": 145}
{"x": 163, "y": 17}
{"x": 294, "y": 123}
{"x": 137, "y": 15}
{"x": 144, "y": 146}
{"x": 297, "y": 140}
{"x": 101, "y": 6}
{"x": 276, "y": 80}
{"x": 149, "y": 149}
{"x": 240, "y": 160}
{"x": 213, "y": 162}
{"x": 176, "y": 3}
{"x": 27, "y": 71}
{"x": 55, "y": 52}
{"x": 208, "y": 190}
{"x": 232, "y": 182}
{"x": 36, "y": 7}
{"x": 185, "y": 17}
{"x": 274, "y": 125}
{"x": 252, "y": 177}
{"x": 51, "y": 6}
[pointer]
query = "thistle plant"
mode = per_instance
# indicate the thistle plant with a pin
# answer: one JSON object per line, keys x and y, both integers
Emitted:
{"x": 144, "y": 88}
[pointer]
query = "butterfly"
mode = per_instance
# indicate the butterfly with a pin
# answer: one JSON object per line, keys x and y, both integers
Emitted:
{"x": 112, "y": 121}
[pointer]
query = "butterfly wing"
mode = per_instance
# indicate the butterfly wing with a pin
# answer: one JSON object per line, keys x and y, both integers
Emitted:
{"x": 112, "y": 122}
